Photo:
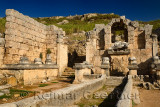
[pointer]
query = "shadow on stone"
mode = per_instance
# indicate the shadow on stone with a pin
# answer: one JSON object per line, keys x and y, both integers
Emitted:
{"x": 74, "y": 58}
{"x": 114, "y": 96}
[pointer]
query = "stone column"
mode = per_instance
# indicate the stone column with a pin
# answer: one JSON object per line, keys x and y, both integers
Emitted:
{"x": 105, "y": 66}
{"x": 155, "y": 45}
{"x": 148, "y": 33}
{"x": 90, "y": 45}
{"x": 132, "y": 66}
{"x": 62, "y": 53}
{"x": 155, "y": 69}
{"x": 59, "y": 45}
{"x": 131, "y": 34}
{"x": 107, "y": 37}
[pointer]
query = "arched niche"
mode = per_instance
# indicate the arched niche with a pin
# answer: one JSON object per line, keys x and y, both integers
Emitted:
{"x": 119, "y": 32}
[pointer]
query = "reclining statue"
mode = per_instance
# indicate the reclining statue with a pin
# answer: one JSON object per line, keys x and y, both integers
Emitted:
{"x": 120, "y": 46}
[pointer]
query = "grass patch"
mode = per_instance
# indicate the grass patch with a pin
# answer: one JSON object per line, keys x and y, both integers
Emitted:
{"x": 155, "y": 23}
{"x": 22, "y": 93}
{"x": 133, "y": 103}
{"x": 43, "y": 85}
{"x": 5, "y": 96}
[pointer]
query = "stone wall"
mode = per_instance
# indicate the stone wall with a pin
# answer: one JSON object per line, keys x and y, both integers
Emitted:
{"x": 31, "y": 73}
{"x": 27, "y": 37}
{"x": 62, "y": 97}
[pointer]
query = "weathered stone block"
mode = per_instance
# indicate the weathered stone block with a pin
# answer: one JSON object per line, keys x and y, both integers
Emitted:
{"x": 12, "y": 81}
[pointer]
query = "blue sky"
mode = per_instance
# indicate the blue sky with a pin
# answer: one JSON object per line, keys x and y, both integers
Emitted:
{"x": 144, "y": 10}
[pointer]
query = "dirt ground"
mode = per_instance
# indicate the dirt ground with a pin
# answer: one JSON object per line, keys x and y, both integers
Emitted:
{"x": 149, "y": 98}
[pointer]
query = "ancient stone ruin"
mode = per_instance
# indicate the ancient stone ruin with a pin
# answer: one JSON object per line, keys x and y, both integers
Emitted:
{"x": 119, "y": 40}
{"x": 26, "y": 40}
{"x": 120, "y": 56}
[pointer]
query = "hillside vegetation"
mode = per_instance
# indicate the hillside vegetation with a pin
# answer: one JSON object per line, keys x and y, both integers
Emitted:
{"x": 155, "y": 23}
{"x": 2, "y": 25}
{"x": 79, "y": 23}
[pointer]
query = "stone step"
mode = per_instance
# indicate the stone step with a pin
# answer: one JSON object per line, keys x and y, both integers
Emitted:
{"x": 64, "y": 76}
{"x": 68, "y": 73}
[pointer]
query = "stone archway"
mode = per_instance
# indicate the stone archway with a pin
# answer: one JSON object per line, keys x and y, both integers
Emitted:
{"x": 119, "y": 32}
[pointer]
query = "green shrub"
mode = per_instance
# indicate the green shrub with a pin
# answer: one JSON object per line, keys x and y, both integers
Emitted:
{"x": 41, "y": 55}
{"x": 48, "y": 51}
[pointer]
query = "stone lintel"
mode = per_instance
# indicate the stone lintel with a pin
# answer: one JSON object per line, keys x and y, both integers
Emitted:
{"x": 82, "y": 66}
{"x": 28, "y": 66}
{"x": 119, "y": 52}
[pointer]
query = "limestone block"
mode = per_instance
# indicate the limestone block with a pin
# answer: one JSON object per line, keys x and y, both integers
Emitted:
{"x": 2, "y": 42}
{"x": 34, "y": 76}
{"x": 22, "y": 52}
{"x": 10, "y": 19}
{"x": 12, "y": 51}
{"x": 97, "y": 60}
{"x": 8, "y": 57}
{"x": 16, "y": 58}
{"x": 145, "y": 54}
{"x": 24, "y": 47}
{"x": 12, "y": 81}
{"x": 52, "y": 73}
{"x": 11, "y": 31}
{"x": 19, "y": 39}
{"x": 10, "y": 37}
{"x": 132, "y": 72}
{"x": 130, "y": 28}
{"x": 135, "y": 24}
{"x": 2, "y": 50}
{"x": 148, "y": 29}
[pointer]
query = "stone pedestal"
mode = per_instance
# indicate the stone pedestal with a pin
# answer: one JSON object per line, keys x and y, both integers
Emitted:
{"x": 48, "y": 59}
{"x": 81, "y": 69}
{"x": 105, "y": 66}
{"x": 38, "y": 61}
{"x": 24, "y": 60}
{"x": 155, "y": 69}
{"x": 132, "y": 66}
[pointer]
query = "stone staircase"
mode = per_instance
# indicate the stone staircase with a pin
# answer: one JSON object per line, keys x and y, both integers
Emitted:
{"x": 69, "y": 73}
